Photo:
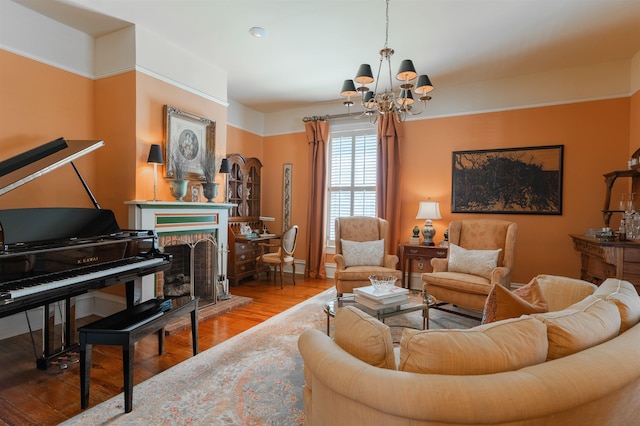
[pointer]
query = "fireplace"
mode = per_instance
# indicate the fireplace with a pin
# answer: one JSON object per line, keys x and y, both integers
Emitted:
{"x": 193, "y": 269}
{"x": 196, "y": 235}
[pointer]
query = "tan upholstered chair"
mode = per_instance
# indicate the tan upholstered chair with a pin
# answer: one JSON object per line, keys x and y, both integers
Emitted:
{"x": 354, "y": 266}
{"x": 464, "y": 289}
{"x": 283, "y": 256}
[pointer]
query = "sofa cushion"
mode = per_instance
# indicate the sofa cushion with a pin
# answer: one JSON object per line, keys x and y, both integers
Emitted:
{"x": 502, "y": 303}
{"x": 624, "y": 295}
{"x": 474, "y": 262}
{"x": 364, "y": 337}
{"x": 580, "y": 326}
{"x": 562, "y": 292}
{"x": 362, "y": 253}
{"x": 491, "y": 348}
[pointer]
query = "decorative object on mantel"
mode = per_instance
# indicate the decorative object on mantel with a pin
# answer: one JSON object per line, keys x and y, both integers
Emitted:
{"x": 178, "y": 185}
{"x": 155, "y": 158}
{"x": 428, "y": 210}
{"x": 209, "y": 167}
{"x": 376, "y": 103}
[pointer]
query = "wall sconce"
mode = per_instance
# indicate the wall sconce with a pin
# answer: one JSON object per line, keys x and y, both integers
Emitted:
{"x": 428, "y": 210}
{"x": 155, "y": 158}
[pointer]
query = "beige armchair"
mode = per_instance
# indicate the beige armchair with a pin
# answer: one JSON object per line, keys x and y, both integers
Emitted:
{"x": 467, "y": 275}
{"x": 362, "y": 250}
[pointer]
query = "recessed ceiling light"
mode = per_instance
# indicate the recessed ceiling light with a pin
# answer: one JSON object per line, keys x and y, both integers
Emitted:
{"x": 258, "y": 32}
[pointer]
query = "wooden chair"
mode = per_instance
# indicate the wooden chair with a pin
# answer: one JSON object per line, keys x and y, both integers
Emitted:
{"x": 283, "y": 256}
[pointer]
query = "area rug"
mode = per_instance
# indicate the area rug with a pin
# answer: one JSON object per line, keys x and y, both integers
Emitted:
{"x": 254, "y": 378}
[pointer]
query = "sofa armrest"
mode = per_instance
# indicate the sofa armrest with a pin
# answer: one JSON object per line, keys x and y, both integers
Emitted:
{"x": 439, "y": 264}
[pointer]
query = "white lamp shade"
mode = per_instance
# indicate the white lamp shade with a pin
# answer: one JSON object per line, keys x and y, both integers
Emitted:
{"x": 429, "y": 210}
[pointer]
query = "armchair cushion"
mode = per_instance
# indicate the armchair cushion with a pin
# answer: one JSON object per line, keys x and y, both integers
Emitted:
{"x": 363, "y": 253}
{"x": 502, "y": 303}
{"x": 364, "y": 337}
{"x": 474, "y": 262}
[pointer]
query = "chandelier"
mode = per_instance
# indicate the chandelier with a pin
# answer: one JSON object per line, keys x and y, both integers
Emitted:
{"x": 376, "y": 103}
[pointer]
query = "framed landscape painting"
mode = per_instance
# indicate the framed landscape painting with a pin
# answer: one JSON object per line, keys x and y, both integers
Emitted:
{"x": 514, "y": 180}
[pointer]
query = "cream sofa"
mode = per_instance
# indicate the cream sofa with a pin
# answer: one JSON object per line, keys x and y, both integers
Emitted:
{"x": 597, "y": 385}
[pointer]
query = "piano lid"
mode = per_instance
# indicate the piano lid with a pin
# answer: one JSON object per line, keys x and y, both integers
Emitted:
{"x": 25, "y": 167}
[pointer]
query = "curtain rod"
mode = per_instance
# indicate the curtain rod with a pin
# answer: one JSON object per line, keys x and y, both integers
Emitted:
{"x": 329, "y": 117}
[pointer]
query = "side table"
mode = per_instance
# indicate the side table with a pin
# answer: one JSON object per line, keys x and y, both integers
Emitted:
{"x": 411, "y": 252}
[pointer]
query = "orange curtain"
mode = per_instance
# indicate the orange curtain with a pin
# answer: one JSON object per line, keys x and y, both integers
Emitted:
{"x": 390, "y": 134}
{"x": 318, "y": 137}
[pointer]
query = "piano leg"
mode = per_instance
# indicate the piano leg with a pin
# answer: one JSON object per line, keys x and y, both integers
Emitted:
{"x": 53, "y": 345}
{"x": 85, "y": 371}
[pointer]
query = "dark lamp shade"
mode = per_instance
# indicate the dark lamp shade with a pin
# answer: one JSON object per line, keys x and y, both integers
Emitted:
{"x": 224, "y": 166}
{"x": 406, "y": 97}
{"x": 369, "y": 99}
{"x": 364, "y": 75}
{"x": 406, "y": 71}
{"x": 348, "y": 89}
{"x": 424, "y": 85}
{"x": 155, "y": 155}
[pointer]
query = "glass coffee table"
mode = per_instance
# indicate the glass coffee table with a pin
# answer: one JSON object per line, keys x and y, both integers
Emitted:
{"x": 416, "y": 302}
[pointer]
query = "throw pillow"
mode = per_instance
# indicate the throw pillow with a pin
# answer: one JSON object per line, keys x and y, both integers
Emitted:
{"x": 624, "y": 295}
{"x": 364, "y": 337}
{"x": 363, "y": 253}
{"x": 475, "y": 262}
{"x": 502, "y": 303}
{"x": 580, "y": 326}
{"x": 486, "y": 349}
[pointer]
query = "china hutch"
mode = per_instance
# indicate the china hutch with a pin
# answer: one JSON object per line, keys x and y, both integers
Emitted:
{"x": 245, "y": 227}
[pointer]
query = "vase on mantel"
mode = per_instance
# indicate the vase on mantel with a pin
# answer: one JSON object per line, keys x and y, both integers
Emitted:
{"x": 210, "y": 190}
{"x": 178, "y": 188}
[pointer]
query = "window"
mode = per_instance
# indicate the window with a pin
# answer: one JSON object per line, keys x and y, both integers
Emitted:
{"x": 352, "y": 176}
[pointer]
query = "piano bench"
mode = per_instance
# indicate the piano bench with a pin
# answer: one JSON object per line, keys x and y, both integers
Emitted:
{"x": 125, "y": 328}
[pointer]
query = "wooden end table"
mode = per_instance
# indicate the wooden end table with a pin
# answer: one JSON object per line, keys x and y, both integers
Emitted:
{"x": 411, "y": 252}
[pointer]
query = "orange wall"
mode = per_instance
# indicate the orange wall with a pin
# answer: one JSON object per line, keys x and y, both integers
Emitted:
{"x": 596, "y": 140}
{"x": 39, "y": 103}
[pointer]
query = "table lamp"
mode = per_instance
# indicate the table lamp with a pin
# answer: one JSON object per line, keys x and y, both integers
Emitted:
{"x": 155, "y": 158}
{"x": 428, "y": 210}
{"x": 225, "y": 168}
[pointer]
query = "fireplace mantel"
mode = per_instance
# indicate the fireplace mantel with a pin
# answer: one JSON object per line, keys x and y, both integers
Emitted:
{"x": 179, "y": 218}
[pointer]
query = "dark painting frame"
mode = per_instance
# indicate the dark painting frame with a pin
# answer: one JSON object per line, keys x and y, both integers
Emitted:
{"x": 508, "y": 181}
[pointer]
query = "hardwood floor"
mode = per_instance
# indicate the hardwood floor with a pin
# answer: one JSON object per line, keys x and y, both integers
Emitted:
{"x": 32, "y": 397}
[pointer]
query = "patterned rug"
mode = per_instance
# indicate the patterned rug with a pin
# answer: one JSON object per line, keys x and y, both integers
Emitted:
{"x": 254, "y": 378}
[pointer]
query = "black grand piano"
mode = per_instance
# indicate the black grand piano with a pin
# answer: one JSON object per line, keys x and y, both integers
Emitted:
{"x": 50, "y": 255}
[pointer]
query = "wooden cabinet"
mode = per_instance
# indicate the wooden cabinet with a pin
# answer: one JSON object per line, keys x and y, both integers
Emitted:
{"x": 243, "y": 252}
{"x": 243, "y": 187}
{"x": 243, "y": 191}
{"x": 608, "y": 259}
{"x": 410, "y": 252}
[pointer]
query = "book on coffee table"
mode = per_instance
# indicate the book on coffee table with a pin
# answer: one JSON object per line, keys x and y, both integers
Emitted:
{"x": 379, "y": 297}
{"x": 388, "y": 302}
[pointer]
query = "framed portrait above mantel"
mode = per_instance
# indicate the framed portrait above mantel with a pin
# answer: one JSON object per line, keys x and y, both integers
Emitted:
{"x": 189, "y": 138}
{"x": 513, "y": 180}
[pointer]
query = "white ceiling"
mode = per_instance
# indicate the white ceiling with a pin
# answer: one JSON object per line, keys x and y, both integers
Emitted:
{"x": 313, "y": 45}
